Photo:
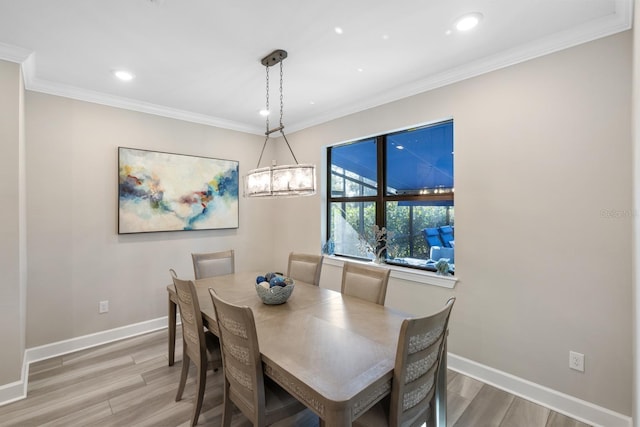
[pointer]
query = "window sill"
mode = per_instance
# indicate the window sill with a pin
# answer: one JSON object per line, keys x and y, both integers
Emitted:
{"x": 411, "y": 274}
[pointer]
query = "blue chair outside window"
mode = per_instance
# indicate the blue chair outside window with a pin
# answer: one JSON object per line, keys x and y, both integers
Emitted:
{"x": 432, "y": 236}
{"x": 446, "y": 234}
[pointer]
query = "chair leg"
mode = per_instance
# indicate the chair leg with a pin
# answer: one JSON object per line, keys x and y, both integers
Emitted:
{"x": 431, "y": 415}
{"x": 183, "y": 376}
{"x": 227, "y": 410}
{"x": 172, "y": 331}
{"x": 201, "y": 381}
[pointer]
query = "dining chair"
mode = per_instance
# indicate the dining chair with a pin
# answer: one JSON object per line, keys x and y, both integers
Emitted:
{"x": 305, "y": 267}
{"x": 200, "y": 347}
{"x": 204, "y": 265}
{"x": 365, "y": 281}
{"x": 418, "y": 360}
{"x": 258, "y": 397}
{"x": 213, "y": 263}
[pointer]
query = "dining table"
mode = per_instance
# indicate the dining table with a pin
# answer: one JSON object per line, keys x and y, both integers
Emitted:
{"x": 334, "y": 353}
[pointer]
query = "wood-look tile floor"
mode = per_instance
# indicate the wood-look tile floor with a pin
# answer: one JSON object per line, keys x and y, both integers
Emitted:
{"x": 129, "y": 383}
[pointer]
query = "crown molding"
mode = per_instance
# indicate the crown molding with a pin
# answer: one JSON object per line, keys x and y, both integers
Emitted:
{"x": 27, "y": 59}
{"x": 612, "y": 24}
{"x": 617, "y": 22}
{"x": 67, "y": 91}
{"x": 13, "y": 53}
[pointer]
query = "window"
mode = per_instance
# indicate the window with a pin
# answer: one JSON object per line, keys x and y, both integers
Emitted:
{"x": 402, "y": 181}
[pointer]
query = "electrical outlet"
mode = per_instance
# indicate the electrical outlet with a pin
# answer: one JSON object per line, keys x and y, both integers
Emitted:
{"x": 576, "y": 361}
{"x": 103, "y": 307}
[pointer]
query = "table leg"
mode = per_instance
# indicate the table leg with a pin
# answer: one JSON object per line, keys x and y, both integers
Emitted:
{"x": 172, "y": 331}
{"x": 441, "y": 388}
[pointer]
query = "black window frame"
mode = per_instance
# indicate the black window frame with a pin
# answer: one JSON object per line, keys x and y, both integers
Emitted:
{"x": 381, "y": 197}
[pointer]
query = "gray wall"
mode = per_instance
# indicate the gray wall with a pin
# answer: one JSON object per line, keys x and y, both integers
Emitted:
{"x": 543, "y": 195}
{"x": 543, "y": 216}
{"x": 12, "y": 286}
{"x": 76, "y": 257}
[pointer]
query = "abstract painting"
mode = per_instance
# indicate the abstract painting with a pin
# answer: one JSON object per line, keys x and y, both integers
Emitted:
{"x": 170, "y": 192}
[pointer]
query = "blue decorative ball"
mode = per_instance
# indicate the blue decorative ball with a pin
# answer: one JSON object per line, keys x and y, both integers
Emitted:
{"x": 277, "y": 281}
{"x": 260, "y": 279}
{"x": 269, "y": 276}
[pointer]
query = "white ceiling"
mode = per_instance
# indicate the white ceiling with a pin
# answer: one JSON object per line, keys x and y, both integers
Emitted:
{"x": 199, "y": 60}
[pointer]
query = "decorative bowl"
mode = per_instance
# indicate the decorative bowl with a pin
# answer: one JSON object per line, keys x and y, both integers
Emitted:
{"x": 274, "y": 295}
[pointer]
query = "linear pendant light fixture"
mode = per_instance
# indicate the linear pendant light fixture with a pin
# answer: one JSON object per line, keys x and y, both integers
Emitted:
{"x": 279, "y": 181}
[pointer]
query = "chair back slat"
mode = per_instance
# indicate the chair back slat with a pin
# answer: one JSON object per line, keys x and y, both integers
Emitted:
{"x": 418, "y": 363}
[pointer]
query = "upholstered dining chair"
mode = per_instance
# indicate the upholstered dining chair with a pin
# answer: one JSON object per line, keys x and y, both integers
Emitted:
{"x": 200, "y": 347}
{"x": 258, "y": 397}
{"x": 305, "y": 267}
{"x": 418, "y": 360}
{"x": 365, "y": 281}
{"x": 213, "y": 263}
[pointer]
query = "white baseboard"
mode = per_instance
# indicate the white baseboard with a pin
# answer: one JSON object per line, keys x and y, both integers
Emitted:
{"x": 18, "y": 390}
{"x": 12, "y": 392}
{"x": 80, "y": 343}
{"x": 560, "y": 402}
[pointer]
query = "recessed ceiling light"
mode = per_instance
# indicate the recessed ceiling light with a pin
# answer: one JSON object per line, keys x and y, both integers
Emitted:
{"x": 338, "y": 30}
{"x": 360, "y": 70}
{"x": 264, "y": 113}
{"x": 123, "y": 75}
{"x": 385, "y": 37}
{"x": 312, "y": 102}
{"x": 468, "y": 21}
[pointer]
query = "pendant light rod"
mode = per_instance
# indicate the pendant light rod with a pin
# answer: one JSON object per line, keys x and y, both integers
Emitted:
{"x": 262, "y": 152}
{"x": 285, "y": 140}
{"x": 269, "y": 132}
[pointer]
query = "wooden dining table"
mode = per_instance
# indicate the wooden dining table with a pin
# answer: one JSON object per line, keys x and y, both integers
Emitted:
{"x": 333, "y": 352}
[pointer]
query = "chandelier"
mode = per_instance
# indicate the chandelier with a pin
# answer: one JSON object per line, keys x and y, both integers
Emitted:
{"x": 285, "y": 180}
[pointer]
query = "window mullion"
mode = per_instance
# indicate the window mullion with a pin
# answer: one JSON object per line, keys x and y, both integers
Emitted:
{"x": 328, "y": 207}
{"x": 382, "y": 181}
{"x": 382, "y": 187}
